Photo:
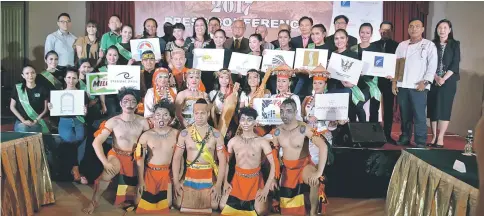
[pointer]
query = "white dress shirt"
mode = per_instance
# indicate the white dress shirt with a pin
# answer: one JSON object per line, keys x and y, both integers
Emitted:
{"x": 62, "y": 43}
{"x": 420, "y": 62}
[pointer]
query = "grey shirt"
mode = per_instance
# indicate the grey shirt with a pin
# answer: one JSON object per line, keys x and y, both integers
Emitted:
{"x": 63, "y": 45}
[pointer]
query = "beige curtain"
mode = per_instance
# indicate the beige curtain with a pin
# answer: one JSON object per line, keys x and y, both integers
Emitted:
{"x": 417, "y": 188}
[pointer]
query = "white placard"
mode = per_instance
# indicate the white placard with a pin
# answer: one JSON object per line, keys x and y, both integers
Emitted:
{"x": 274, "y": 58}
{"x": 241, "y": 63}
{"x": 310, "y": 58}
{"x": 358, "y": 12}
{"x": 379, "y": 64}
{"x": 67, "y": 102}
{"x": 345, "y": 68}
{"x": 138, "y": 46}
{"x": 208, "y": 59}
{"x": 331, "y": 106}
{"x": 268, "y": 110}
{"x": 124, "y": 76}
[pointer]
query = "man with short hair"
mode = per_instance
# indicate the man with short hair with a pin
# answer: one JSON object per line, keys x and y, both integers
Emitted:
{"x": 113, "y": 37}
{"x": 126, "y": 129}
{"x": 302, "y": 41}
{"x": 281, "y": 27}
{"x": 157, "y": 146}
{"x": 213, "y": 25}
{"x": 262, "y": 30}
{"x": 387, "y": 45}
{"x": 149, "y": 66}
{"x": 238, "y": 43}
{"x": 197, "y": 193}
{"x": 247, "y": 193}
{"x": 62, "y": 41}
{"x": 299, "y": 171}
{"x": 420, "y": 56}
{"x": 341, "y": 22}
{"x": 179, "y": 70}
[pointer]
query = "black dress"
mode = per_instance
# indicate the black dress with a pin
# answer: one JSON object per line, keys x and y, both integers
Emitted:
{"x": 441, "y": 98}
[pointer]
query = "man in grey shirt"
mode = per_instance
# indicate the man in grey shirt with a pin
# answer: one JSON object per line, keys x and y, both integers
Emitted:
{"x": 262, "y": 30}
{"x": 62, "y": 41}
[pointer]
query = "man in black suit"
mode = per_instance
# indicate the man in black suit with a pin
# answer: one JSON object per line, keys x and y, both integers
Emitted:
{"x": 387, "y": 45}
{"x": 340, "y": 22}
{"x": 238, "y": 43}
{"x": 302, "y": 41}
{"x": 281, "y": 27}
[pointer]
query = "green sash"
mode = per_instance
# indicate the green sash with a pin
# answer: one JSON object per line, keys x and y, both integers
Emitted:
{"x": 277, "y": 48}
{"x": 124, "y": 52}
{"x": 56, "y": 83}
{"x": 103, "y": 69}
{"x": 374, "y": 90}
{"x": 312, "y": 46}
{"x": 81, "y": 119}
{"x": 83, "y": 86}
{"x": 24, "y": 100}
{"x": 357, "y": 95}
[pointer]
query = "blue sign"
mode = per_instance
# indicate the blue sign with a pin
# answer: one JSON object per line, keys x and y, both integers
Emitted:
{"x": 345, "y": 3}
{"x": 378, "y": 61}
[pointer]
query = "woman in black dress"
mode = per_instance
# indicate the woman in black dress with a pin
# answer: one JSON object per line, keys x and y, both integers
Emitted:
{"x": 442, "y": 91}
{"x": 199, "y": 39}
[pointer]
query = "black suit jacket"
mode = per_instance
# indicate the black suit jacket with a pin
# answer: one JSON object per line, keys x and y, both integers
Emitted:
{"x": 297, "y": 42}
{"x": 244, "y": 45}
{"x": 386, "y": 46}
{"x": 275, "y": 43}
{"x": 451, "y": 59}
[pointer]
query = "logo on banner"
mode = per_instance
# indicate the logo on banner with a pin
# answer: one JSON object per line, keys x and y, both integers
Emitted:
{"x": 144, "y": 46}
{"x": 311, "y": 58}
{"x": 278, "y": 60}
{"x": 345, "y": 3}
{"x": 270, "y": 109}
{"x": 378, "y": 61}
{"x": 346, "y": 65}
{"x": 125, "y": 75}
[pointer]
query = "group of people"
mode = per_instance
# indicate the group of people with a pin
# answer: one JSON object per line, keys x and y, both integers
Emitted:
{"x": 173, "y": 139}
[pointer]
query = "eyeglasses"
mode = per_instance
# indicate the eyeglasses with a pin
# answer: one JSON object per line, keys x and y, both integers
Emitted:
{"x": 64, "y": 21}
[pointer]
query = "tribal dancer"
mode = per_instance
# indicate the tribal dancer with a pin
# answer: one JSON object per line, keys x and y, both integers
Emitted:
{"x": 161, "y": 91}
{"x": 186, "y": 98}
{"x": 158, "y": 146}
{"x": 322, "y": 128}
{"x": 126, "y": 128}
{"x": 247, "y": 195}
{"x": 196, "y": 193}
{"x": 179, "y": 70}
{"x": 284, "y": 74}
{"x": 299, "y": 172}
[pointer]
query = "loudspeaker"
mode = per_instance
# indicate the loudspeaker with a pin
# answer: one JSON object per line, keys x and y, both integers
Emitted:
{"x": 362, "y": 135}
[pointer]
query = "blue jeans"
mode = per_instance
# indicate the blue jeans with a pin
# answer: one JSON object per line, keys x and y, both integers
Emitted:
{"x": 300, "y": 88}
{"x": 72, "y": 134}
{"x": 412, "y": 105}
{"x": 20, "y": 127}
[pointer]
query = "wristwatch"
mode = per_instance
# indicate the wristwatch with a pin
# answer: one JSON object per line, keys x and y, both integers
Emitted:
{"x": 426, "y": 82}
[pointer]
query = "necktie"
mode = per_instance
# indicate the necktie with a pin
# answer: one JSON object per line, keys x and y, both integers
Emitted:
{"x": 305, "y": 41}
{"x": 237, "y": 43}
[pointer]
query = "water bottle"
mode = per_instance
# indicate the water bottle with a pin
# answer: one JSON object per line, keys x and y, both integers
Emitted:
{"x": 468, "y": 146}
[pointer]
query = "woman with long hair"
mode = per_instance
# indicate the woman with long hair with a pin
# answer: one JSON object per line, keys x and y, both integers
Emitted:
{"x": 52, "y": 78}
{"x": 124, "y": 47}
{"x": 252, "y": 83}
{"x": 109, "y": 103}
{"x": 72, "y": 132}
{"x": 441, "y": 95}
{"x": 255, "y": 45}
{"x": 29, "y": 103}
{"x": 284, "y": 39}
{"x": 150, "y": 31}
{"x": 87, "y": 47}
{"x": 199, "y": 39}
{"x": 368, "y": 84}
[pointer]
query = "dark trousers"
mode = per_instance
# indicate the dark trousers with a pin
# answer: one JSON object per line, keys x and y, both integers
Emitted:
{"x": 388, "y": 98}
{"x": 412, "y": 105}
{"x": 374, "y": 107}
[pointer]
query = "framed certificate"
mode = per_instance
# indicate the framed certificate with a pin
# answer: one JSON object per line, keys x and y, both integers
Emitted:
{"x": 331, "y": 106}
{"x": 208, "y": 59}
{"x": 138, "y": 46}
{"x": 241, "y": 63}
{"x": 345, "y": 68}
{"x": 310, "y": 58}
{"x": 124, "y": 76}
{"x": 379, "y": 64}
{"x": 67, "y": 102}
{"x": 274, "y": 58}
{"x": 268, "y": 110}
{"x": 97, "y": 84}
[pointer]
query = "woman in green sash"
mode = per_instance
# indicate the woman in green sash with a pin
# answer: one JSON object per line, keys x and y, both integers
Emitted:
{"x": 72, "y": 132}
{"x": 109, "y": 103}
{"x": 368, "y": 84}
{"x": 52, "y": 77}
{"x": 29, "y": 103}
{"x": 337, "y": 86}
{"x": 124, "y": 47}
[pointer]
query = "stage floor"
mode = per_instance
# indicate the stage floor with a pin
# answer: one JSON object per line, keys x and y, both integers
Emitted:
{"x": 72, "y": 197}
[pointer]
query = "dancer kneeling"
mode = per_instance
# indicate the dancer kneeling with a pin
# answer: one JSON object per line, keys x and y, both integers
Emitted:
{"x": 126, "y": 128}
{"x": 299, "y": 171}
{"x": 247, "y": 194}
{"x": 196, "y": 193}
{"x": 157, "y": 145}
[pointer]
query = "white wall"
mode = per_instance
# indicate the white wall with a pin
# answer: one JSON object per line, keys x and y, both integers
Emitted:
{"x": 466, "y": 18}
{"x": 42, "y": 20}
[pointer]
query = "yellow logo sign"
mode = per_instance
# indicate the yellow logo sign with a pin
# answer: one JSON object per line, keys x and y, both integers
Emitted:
{"x": 311, "y": 58}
